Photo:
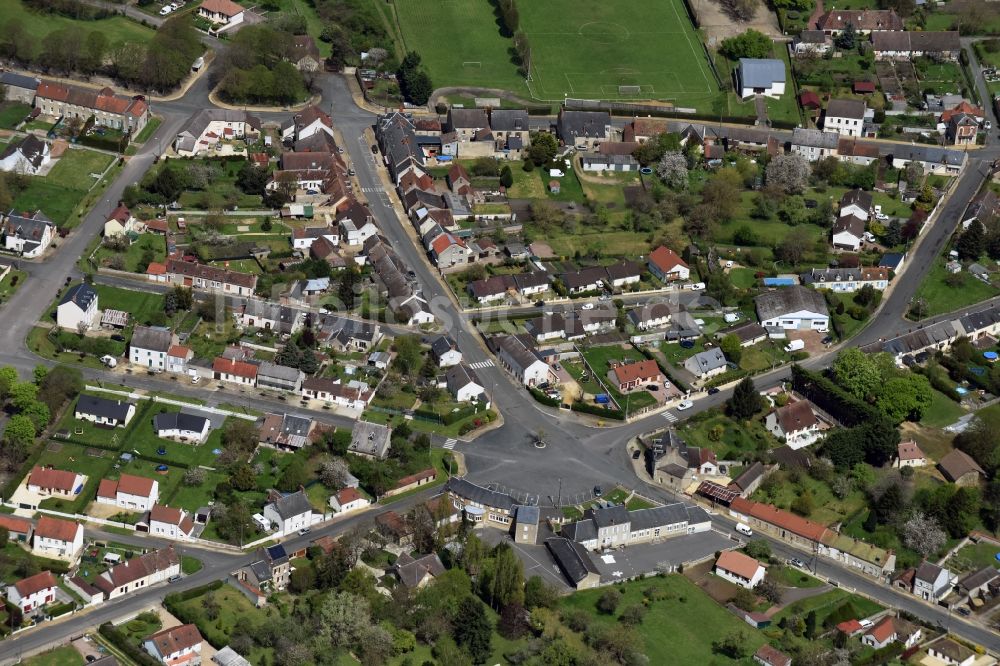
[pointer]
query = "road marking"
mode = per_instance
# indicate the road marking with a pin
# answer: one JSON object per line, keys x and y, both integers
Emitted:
{"x": 488, "y": 363}
{"x": 450, "y": 444}
{"x": 670, "y": 417}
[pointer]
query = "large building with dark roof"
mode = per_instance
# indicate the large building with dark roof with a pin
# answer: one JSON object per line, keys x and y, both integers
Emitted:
{"x": 613, "y": 526}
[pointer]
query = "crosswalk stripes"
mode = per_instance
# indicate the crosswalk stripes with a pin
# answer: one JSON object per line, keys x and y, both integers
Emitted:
{"x": 672, "y": 418}
{"x": 482, "y": 364}
{"x": 450, "y": 444}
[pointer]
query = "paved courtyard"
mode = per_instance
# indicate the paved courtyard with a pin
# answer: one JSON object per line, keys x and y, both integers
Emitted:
{"x": 637, "y": 560}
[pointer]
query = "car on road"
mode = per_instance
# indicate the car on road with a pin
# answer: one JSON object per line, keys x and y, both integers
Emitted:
{"x": 713, "y": 390}
{"x": 539, "y": 304}
{"x": 684, "y": 404}
{"x": 636, "y": 454}
{"x": 587, "y": 306}
{"x": 304, "y": 531}
{"x": 174, "y": 578}
{"x": 374, "y": 149}
{"x": 965, "y": 612}
{"x": 598, "y": 491}
{"x": 166, "y": 10}
{"x": 350, "y": 172}
{"x": 796, "y": 562}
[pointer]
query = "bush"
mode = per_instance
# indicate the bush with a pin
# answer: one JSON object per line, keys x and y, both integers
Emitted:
{"x": 132, "y": 650}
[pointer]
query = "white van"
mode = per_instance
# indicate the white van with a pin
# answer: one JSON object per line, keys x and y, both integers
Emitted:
{"x": 744, "y": 529}
{"x": 198, "y": 64}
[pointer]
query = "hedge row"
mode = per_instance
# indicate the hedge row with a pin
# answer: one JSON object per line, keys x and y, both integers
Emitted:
{"x": 725, "y": 378}
{"x": 542, "y": 398}
{"x": 603, "y": 412}
{"x": 111, "y": 633}
{"x": 832, "y": 399}
{"x": 187, "y": 595}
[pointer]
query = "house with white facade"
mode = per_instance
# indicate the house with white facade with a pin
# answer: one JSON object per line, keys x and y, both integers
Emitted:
{"x": 27, "y": 235}
{"x": 793, "y": 308}
{"x": 847, "y": 280}
{"x": 235, "y": 372}
{"x": 845, "y": 117}
{"x": 289, "y": 513}
{"x": 77, "y": 309}
{"x": 102, "y": 411}
{"x": 933, "y": 583}
{"x": 847, "y": 233}
{"x": 760, "y": 76}
{"x": 57, "y": 538}
{"x": 132, "y": 493}
{"x": 521, "y": 362}
{"x": 615, "y": 525}
{"x": 28, "y": 156}
{"x": 178, "y": 357}
{"x": 667, "y": 266}
{"x": 52, "y": 482}
{"x": 207, "y": 128}
{"x": 463, "y": 385}
{"x": 909, "y": 454}
{"x": 139, "y": 573}
{"x": 445, "y": 351}
{"x": 858, "y": 203}
{"x": 149, "y": 346}
{"x": 740, "y": 569}
{"x": 348, "y": 499}
{"x": 31, "y": 593}
{"x": 176, "y": 646}
{"x": 796, "y": 423}
{"x": 706, "y": 364}
{"x": 814, "y": 144}
{"x": 169, "y": 522}
{"x": 182, "y": 427}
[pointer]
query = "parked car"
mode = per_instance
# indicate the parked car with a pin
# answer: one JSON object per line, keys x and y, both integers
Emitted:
{"x": 796, "y": 562}
{"x": 166, "y": 10}
{"x": 963, "y": 611}
{"x": 174, "y": 578}
{"x": 827, "y": 340}
{"x": 684, "y": 404}
{"x": 587, "y": 306}
{"x": 652, "y": 387}
{"x": 636, "y": 454}
{"x": 304, "y": 531}
{"x": 713, "y": 390}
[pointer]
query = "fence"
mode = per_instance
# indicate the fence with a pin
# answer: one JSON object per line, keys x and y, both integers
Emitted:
{"x": 169, "y": 401}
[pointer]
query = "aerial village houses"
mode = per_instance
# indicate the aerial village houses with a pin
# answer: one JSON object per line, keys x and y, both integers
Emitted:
{"x": 102, "y": 411}
{"x": 169, "y": 522}
{"x": 58, "y": 538}
{"x": 139, "y": 572}
{"x": 864, "y": 21}
{"x": 740, "y": 569}
{"x": 209, "y": 278}
{"x": 27, "y": 156}
{"x": 77, "y": 308}
{"x": 793, "y": 308}
{"x": 176, "y": 646}
{"x": 132, "y": 493}
{"x": 845, "y": 117}
{"x": 204, "y": 130}
{"x": 128, "y": 114}
{"x": 225, "y": 13}
{"x": 760, "y": 76}
{"x": 51, "y": 482}
{"x": 289, "y": 513}
{"x": 149, "y": 346}
{"x": 27, "y": 234}
{"x": 795, "y": 423}
{"x": 34, "y": 592}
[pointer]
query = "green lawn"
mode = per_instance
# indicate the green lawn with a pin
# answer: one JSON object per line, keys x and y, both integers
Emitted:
{"x": 975, "y": 556}
{"x": 190, "y": 565}
{"x": 942, "y": 411}
{"x": 73, "y": 169}
{"x": 677, "y": 630}
{"x": 233, "y": 606}
{"x": 37, "y": 25}
{"x": 58, "y": 193}
{"x": 85, "y": 432}
{"x": 942, "y": 298}
{"x": 826, "y": 603}
{"x": 143, "y": 439}
{"x": 743, "y": 278}
{"x": 599, "y": 358}
{"x": 845, "y": 323}
{"x": 139, "y": 304}
{"x": 736, "y": 440}
{"x": 133, "y": 255}
{"x": 12, "y": 113}
{"x": 826, "y": 507}
{"x": 148, "y": 131}
{"x": 60, "y": 656}
{"x": 792, "y": 577}
{"x": 15, "y": 279}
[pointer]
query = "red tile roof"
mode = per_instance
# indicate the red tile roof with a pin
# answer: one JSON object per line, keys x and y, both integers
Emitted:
{"x": 156, "y": 268}
{"x": 15, "y": 525}
{"x": 122, "y": 213}
{"x": 40, "y": 581}
{"x": 883, "y": 631}
{"x": 347, "y": 495}
{"x": 135, "y": 485}
{"x": 233, "y": 367}
{"x": 666, "y": 259}
{"x": 104, "y": 99}
{"x": 642, "y": 370}
{"x": 166, "y": 514}
{"x": 160, "y": 226}
{"x": 429, "y": 473}
{"x": 224, "y": 7}
{"x": 910, "y": 451}
{"x": 864, "y": 86}
{"x": 178, "y": 351}
{"x": 176, "y": 639}
{"x": 50, "y": 478}
{"x": 772, "y": 656}
{"x": 797, "y": 525}
{"x": 809, "y": 99}
{"x": 962, "y": 107}
{"x": 57, "y": 529}
{"x": 850, "y": 627}
{"x": 737, "y": 563}
{"x": 191, "y": 269}
{"x": 108, "y": 488}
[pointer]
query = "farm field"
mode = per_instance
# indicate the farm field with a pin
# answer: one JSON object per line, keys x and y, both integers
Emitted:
{"x": 37, "y": 25}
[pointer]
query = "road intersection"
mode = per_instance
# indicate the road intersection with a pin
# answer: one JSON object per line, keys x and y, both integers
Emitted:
{"x": 579, "y": 454}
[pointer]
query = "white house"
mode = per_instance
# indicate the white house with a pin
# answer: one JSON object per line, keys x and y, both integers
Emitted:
{"x": 951, "y": 653}
{"x": 235, "y": 372}
{"x": 77, "y": 308}
{"x": 760, "y": 76}
{"x": 845, "y": 117}
{"x": 28, "y": 236}
{"x": 908, "y": 454}
{"x": 522, "y": 362}
{"x": 847, "y": 280}
{"x": 793, "y": 308}
{"x": 224, "y": 12}
{"x": 58, "y": 538}
{"x": 848, "y": 232}
{"x": 667, "y": 266}
{"x": 139, "y": 572}
{"x": 149, "y": 346}
{"x": 120, "y": 222}
{"x": 857, "y": 203}
{"x": 445, "y": 352}
{"x": 796, "y": 423}
{"x": 178, "y": 357}
{"x": 134, "y": 493}
{"x": 289, "y": 513}
{"x": 348, "y": 499}
{"x": 33, "y": 592}
{"x": 181, "y": 426}
{"x": 169, "y": 522}
{"x": 28, "y": 157}
{"x": 51, "y": 482}
{"x": 740, "y": 569}
{"x": 463, "y": 384}
{"x": 353, "y": 234}
{"x": 176, "y": 646}
{"x": 931, "y": 582}
{"x": 651, "y": 315}
{"x": 705, "y": 364}
{"x": 306, "y": 123}
{"x": 102, "y": 411}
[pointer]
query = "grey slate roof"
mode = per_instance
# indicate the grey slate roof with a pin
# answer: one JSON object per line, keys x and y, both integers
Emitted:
{"x": 291, "y": 505}
{"x": 112, "y": 409}
{"x": 529, "y": 515}
{"x": 411, "y": 571}
{"x": 459, "y": 376}
{"x": 846, "y": 108}
{"x": 32, "y": 149}
{"x": 275, "y": 371}
{"x": 572, "y": 559}
{"x": 152, "y": 338}
{"x": 399, "y": 140}
{"x": 480, "y": 495}
{"x": 608, "y": 516}
{"x": 509, "y": 120}
{"x": 442, "y": 345}
{"x": 370, "y": 439}
{"x": 782, "y": 301}
{"x": 19, "y": 81}
{"x": 82, "y": 294}
{"x": 707, "y": 360}
{"x": 761, "y": 72}
{"x": 179, "y": 420}
{"x": 815, "y": 138}
{"x": 592, "y": 124}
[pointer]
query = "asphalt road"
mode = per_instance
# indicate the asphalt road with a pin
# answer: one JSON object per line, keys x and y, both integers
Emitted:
{"x": 579, "y": 453}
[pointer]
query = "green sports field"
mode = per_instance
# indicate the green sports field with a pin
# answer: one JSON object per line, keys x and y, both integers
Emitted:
{"x": 579, "y": 48}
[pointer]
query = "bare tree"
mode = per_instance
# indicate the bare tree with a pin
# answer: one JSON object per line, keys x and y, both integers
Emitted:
{"x": 923, "y": 534}
{"x": 740, "y": 10}
{"x": 673, "y": 170}
{"x": 82, "y": 327}
{"x": 788, "y": 172}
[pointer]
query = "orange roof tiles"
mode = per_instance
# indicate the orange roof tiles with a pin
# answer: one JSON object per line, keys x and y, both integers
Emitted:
{"x": 56, "y": 529}
{"x": 737, "y": 563}
{"x": 797, "y": 525}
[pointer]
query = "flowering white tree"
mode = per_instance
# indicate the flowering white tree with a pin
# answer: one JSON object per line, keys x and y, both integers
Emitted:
{"x": 673, "y": 170}
{"x": 923, "y": 534}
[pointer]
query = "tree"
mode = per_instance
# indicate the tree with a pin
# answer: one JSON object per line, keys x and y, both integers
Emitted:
{"x": 893, "y": 234}
{"x": 23, "y": 394}
{"x": 242, "y": 478}
{"x": 408, "y": 354}
{"x": 333, "y": 473}
{"x": 923, "y": 534}
{"x": 759, "y": 549}
{"x": 20, "y": 430}
{"x": 848, "y": 37}
{"x": 608, "y": 601}
{"x": 810, "y": 632}
{"x": 905, "y": 398}
{"x": 343, "y": 619}
{"x": 734, "y": 645}
{"x": 790, "y": 173}
{"x": 750, "y": 44}
{"x": 543, "y": 148}
{"x": 673, "y": 170}
{"x": 731, "y": 347}
{"x": 474, "y": 631}
{"x": 294, "y": 477}
{"x": 193, "y": 476}
{"x": 632, "y": 615}
{"x": 503, "y": 581}
{"x": 512, "y": 624}
{"x": 39, "y": 414}
{"x": 803, "y": 503}
{"x": 972, "y": 243}
{"x": 506, "y": 176}
{"x": 4, "y": 536}
{"x": 59, "y": 385}
{"x": 857, "y": 372}
{"x": 302, "y": 580}
{"x": 794, "y": 246}
{"x": 769, "y": 589}
{"x": 538, "y": 594}
{"x": 745, "y": 401}
{"x": 889, "y": 504}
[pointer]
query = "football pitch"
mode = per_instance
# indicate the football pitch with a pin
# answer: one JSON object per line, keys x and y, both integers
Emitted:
{"x": 579, "y": 48}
